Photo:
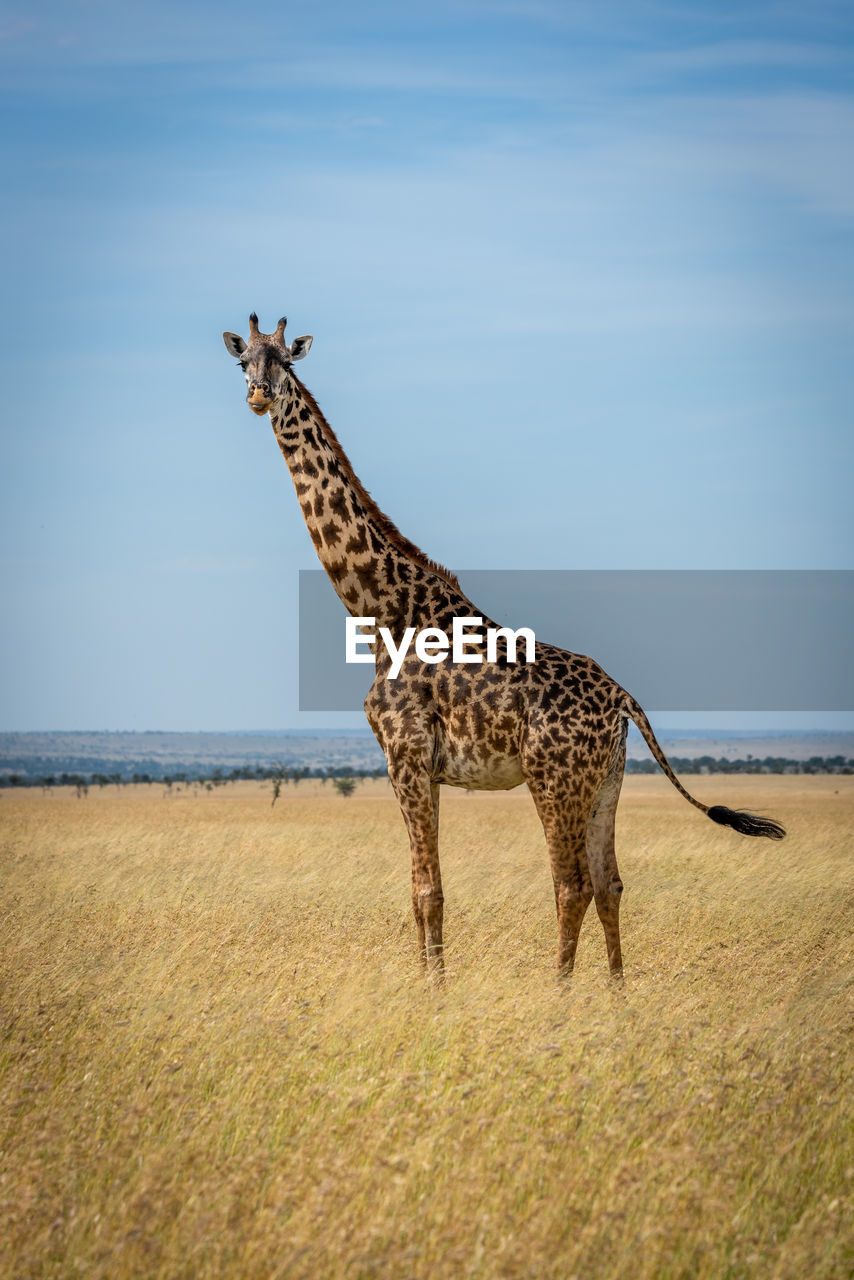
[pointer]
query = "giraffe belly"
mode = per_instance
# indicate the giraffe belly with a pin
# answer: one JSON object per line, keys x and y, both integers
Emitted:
{"x": 462, "y": 769}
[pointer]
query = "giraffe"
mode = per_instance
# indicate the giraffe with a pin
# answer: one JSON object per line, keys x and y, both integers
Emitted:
{"x": 558, "y": 723}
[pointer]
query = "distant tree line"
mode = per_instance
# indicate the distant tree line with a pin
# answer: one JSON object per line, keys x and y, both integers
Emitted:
{"x": 768, "y": 764}
{"x": 342, "y": 776}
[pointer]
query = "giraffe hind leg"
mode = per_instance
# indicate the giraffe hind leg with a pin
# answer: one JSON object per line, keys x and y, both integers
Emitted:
{"x": 564, "y": 822}
{"x": 573, "y": 893}
{"x": 602, "y": 859}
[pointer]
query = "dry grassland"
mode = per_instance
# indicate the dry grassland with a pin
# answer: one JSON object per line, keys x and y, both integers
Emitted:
{"x": 217, "y": 1058}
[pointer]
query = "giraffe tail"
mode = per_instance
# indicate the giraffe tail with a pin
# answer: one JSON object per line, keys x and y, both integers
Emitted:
{"x": 748, "y": 824}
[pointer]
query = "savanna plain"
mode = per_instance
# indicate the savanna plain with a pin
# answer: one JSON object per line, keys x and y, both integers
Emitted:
{"x": 218, "y": 1057}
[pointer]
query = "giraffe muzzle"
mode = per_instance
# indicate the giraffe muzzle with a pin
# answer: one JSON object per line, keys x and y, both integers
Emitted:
{"x": 258, "y": 402}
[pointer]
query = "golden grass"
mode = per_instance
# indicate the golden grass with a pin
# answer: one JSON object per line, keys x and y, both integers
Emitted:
{"x": 218, "y": 1058}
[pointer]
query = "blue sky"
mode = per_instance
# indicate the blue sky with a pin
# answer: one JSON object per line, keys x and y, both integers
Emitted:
{"x": 579, "y": 277}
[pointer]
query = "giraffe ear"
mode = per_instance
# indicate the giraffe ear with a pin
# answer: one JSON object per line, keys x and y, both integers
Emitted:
{"x": 234, "y": 344}
{"x": 300, "y": 347}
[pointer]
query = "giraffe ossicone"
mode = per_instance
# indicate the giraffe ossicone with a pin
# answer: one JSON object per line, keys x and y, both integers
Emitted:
{"x": 557, "y": 723}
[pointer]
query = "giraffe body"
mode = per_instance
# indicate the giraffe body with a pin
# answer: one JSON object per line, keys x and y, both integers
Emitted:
{"x": 558, "y": 723}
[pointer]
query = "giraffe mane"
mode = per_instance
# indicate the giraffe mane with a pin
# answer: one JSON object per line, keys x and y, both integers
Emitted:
{"x": 386, "y": 526}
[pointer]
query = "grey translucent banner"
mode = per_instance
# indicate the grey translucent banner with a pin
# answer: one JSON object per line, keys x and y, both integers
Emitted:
{"x": 704, "y": 640}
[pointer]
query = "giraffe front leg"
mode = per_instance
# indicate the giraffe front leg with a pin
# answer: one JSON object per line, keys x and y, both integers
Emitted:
{"x": 419, "y": 802}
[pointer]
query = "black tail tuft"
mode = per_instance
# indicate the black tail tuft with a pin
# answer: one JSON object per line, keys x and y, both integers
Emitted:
{"x": 749, "y": 824}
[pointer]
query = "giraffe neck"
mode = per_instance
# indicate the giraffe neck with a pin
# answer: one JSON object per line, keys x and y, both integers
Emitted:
{"x": 375, "y": 570}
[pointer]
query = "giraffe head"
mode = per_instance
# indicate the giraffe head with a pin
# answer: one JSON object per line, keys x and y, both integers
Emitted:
{"x": 266, "y": 362}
